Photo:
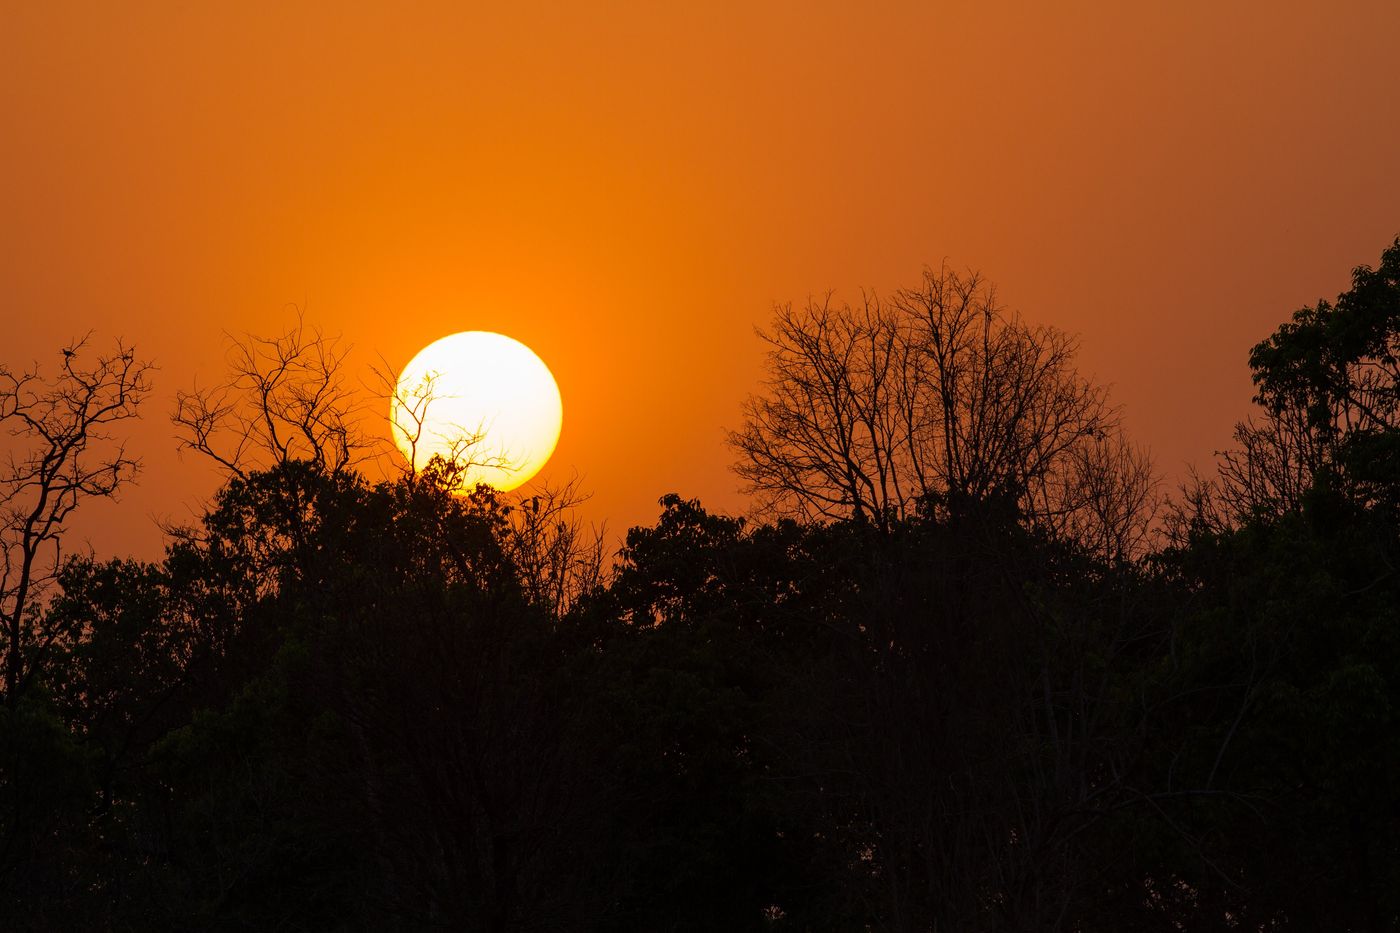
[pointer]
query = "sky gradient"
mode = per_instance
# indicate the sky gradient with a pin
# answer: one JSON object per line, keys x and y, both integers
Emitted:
{"x": 628, "y": 191}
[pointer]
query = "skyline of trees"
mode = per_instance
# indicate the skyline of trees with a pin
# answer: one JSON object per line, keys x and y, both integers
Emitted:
{"x": 946, "y": 681}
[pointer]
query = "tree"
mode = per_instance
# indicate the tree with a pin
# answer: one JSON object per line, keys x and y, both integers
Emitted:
{"x": 938, "y": 398}
{"x": 63, "y": 454}
{"x": 1288, "y": 652}
{"x": 558, "y": 556}
{"x": 286, "y": 398}
{"x": 1328, "y": 382}
{"x": 356, "y": 715}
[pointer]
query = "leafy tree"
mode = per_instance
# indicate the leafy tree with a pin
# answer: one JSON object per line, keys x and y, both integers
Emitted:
{"x": 1287, "y": 662}
{"x": 1329, "y": 383}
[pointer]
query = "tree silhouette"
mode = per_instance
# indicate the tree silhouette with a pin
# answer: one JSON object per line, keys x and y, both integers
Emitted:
{"x": 1329, "y": 385}
{"x": 286, "y": 398}
{"x": 940, "y": 683}
{"x": 938, "y": 398}
{"x": 62, "y": 454}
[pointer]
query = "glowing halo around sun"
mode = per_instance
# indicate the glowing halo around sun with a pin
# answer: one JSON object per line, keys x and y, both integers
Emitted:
{"x": 483, "y": 399}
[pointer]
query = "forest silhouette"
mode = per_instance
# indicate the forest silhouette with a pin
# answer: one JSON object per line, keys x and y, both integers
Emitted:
{"x": 967, "y": 667}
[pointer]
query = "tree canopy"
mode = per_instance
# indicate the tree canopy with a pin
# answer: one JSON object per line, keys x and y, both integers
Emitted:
{"x": 945, "y": 680}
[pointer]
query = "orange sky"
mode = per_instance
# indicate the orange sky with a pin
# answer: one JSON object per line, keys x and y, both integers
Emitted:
{"x": 628, "y": 189}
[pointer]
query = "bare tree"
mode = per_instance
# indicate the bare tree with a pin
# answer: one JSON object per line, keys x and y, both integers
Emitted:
{"x": 558, "y": 556}
{"x": 827, "y": 440}
{"x": 938, "y": 398}
{"x": 1114, "y": 498}
{"x": 61, "y": 455}
{"x": 290, "y": 397}
{"x": 408, "y": 411}
{"x": 287, "y": 398}
{"x": 1266, "y": 474}
{"x": 409, "y": 423}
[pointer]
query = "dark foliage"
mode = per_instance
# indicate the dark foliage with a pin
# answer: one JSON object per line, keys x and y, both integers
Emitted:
{"x": 344, "y": 705}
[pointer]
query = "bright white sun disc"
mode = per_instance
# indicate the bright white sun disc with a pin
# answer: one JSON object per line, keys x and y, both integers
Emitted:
{"x": 480, "y": 398}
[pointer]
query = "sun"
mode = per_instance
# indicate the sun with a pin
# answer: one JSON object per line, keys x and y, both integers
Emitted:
{"x": 482, "y": 399}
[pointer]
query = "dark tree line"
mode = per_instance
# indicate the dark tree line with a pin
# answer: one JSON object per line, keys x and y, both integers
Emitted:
{"x": 948, "y": 681}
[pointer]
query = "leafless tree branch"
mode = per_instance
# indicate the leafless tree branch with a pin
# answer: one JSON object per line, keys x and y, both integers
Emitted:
{"x": 286, "y": 398}
{"x": 936, "y": 398}
{"x": 61, "y": 453}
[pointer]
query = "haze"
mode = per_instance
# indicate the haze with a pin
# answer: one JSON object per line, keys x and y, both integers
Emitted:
{"x": 628, "y": 191}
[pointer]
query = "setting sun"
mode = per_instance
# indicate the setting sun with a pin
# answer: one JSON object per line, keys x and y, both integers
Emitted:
{"x": 482, "y": 399}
